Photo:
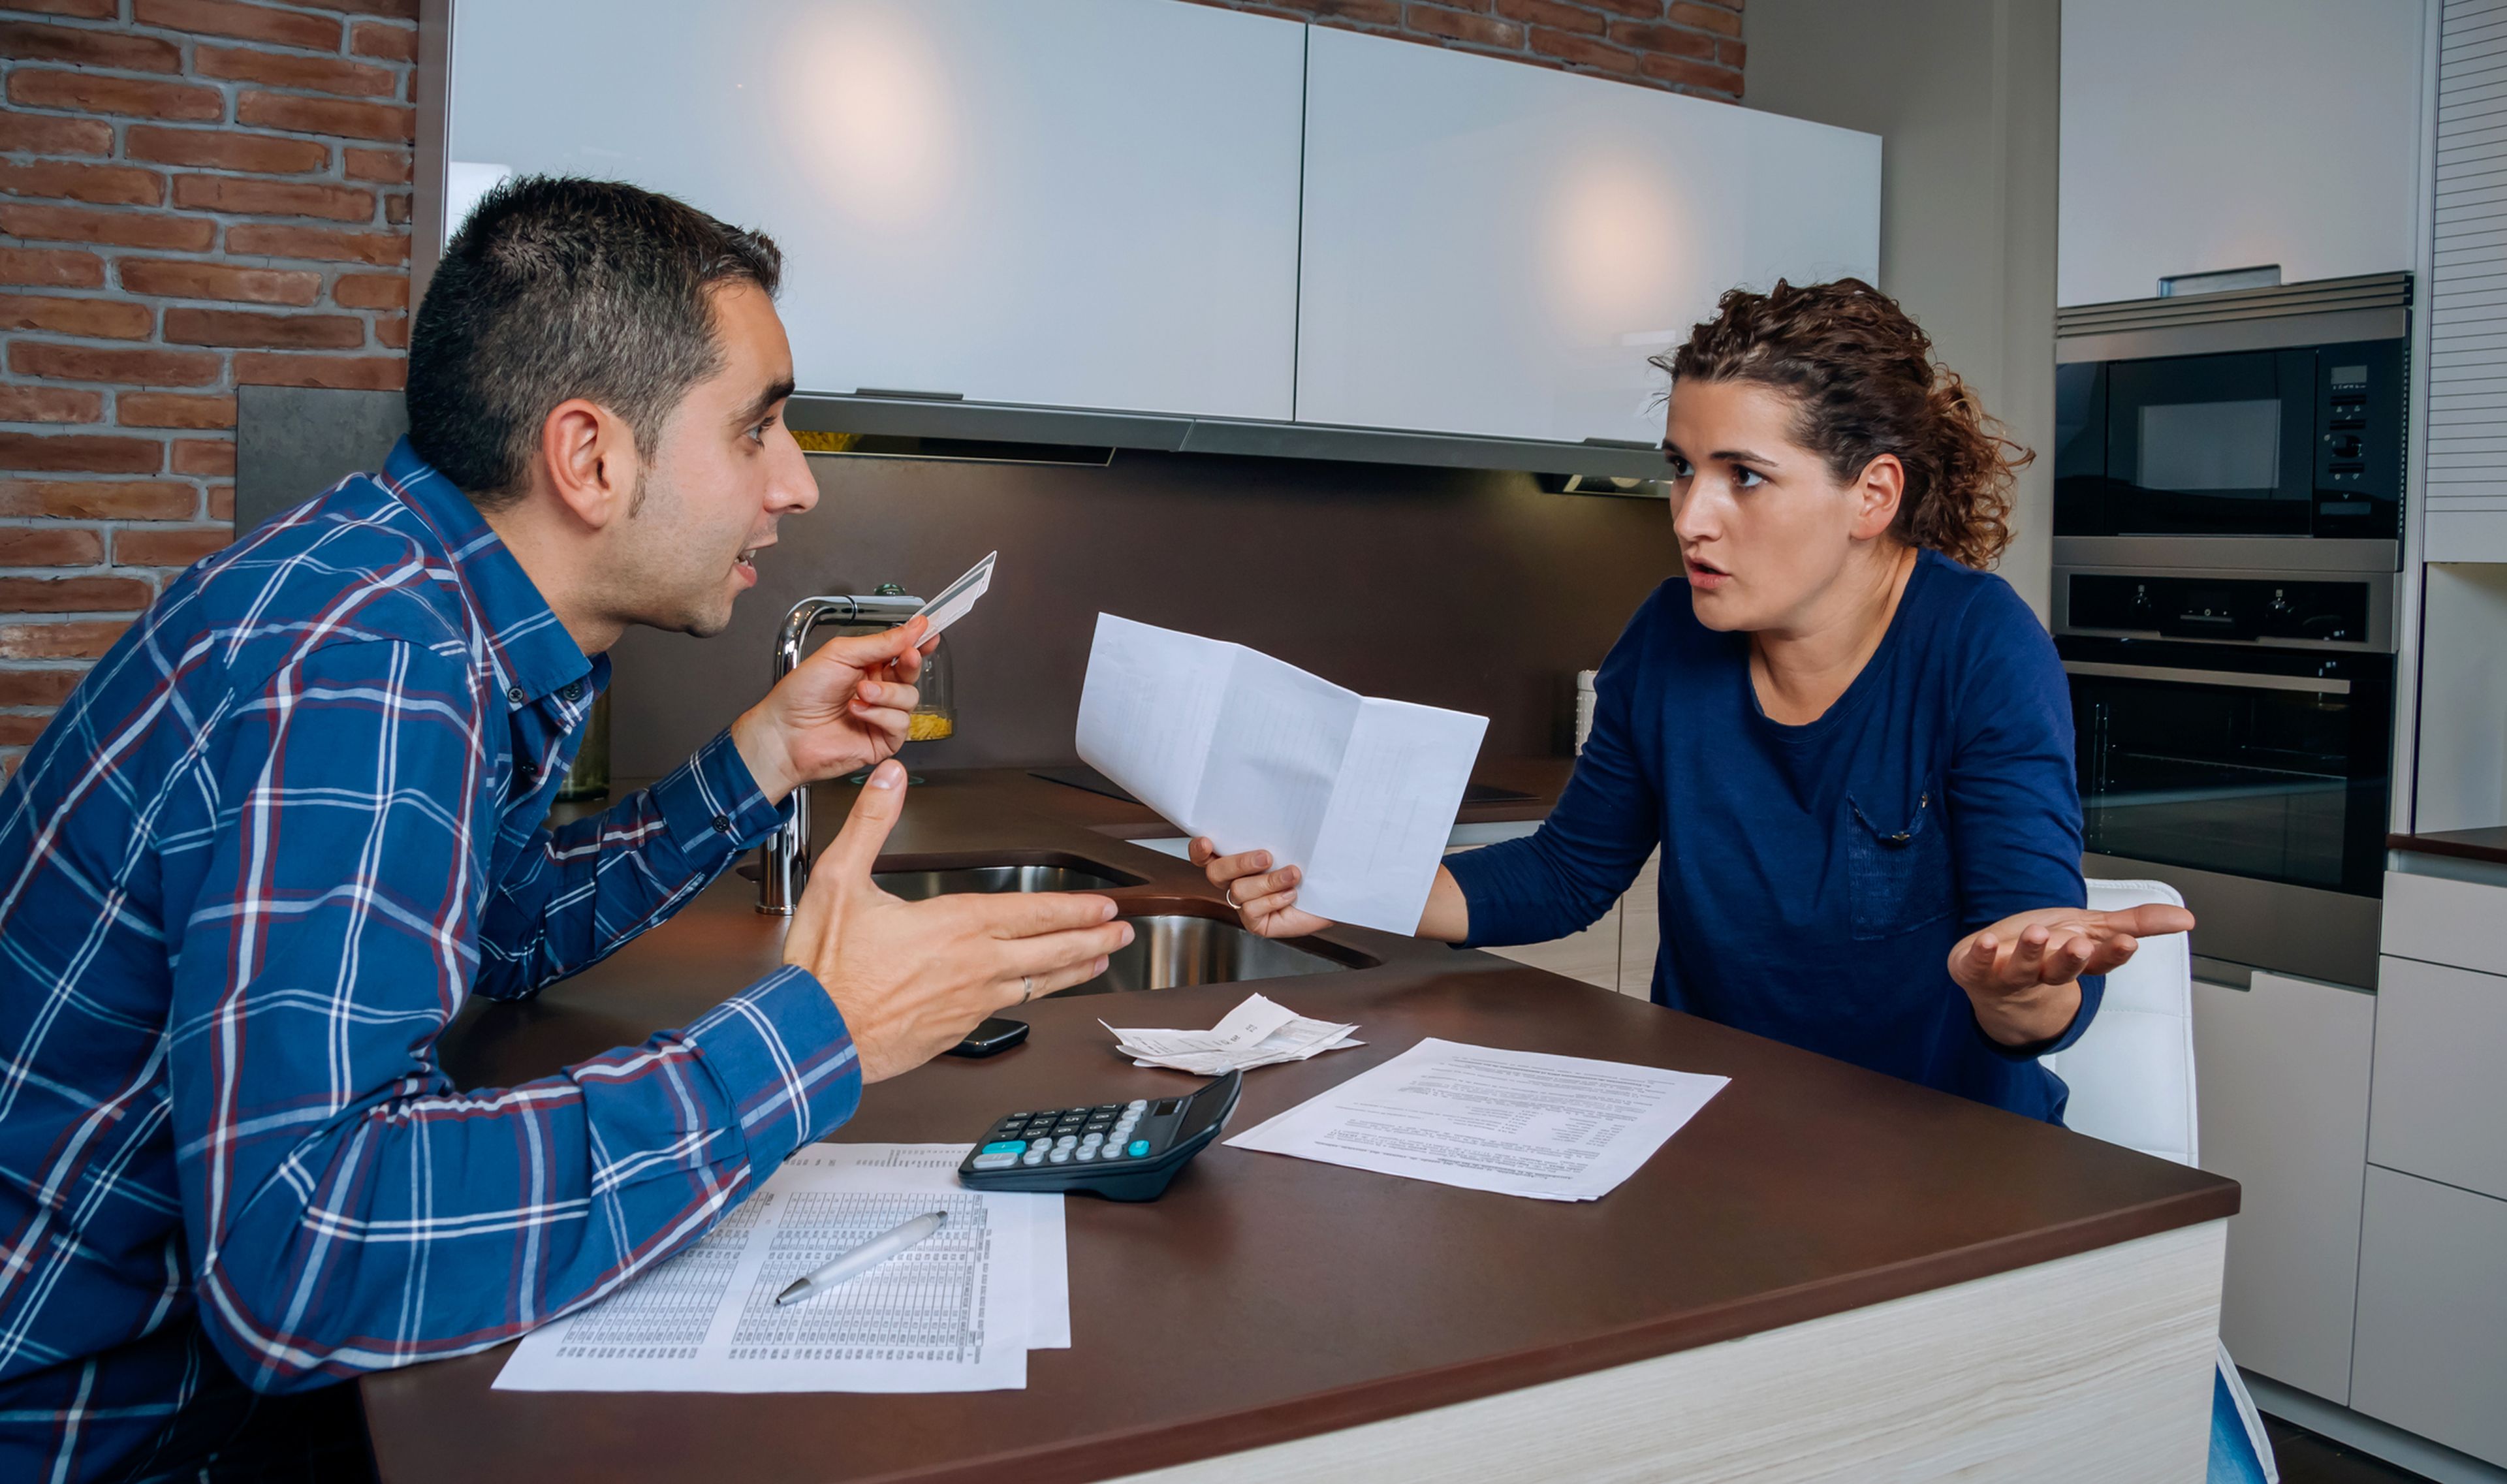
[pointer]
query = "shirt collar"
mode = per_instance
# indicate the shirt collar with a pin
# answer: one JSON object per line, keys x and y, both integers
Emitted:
{"x": 532, "y": 654}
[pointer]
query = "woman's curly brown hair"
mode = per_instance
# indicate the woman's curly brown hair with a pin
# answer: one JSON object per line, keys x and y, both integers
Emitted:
{"x": 1864, "y": 377}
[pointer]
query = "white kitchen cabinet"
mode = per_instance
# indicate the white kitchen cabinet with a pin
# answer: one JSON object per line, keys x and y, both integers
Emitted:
{"x": 1496, "y": 249}
{"x": 2441, "y": 1044}
{"x": 2440, "y": 920}
{"x": 1641, "y": 929}
{"x": 2235, "y": 133}
{"x": 1591, "y": 956}
{"x": 2432, "y": 1353}
{"x": 2281, "y": 1078}
{"x": 1090, "y": 203}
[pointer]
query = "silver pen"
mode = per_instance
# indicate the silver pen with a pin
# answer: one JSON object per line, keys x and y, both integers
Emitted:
{"x": 864, "y": 1258}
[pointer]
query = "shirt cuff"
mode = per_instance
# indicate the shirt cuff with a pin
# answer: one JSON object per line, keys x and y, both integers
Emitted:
{"x": 712, "y": 805}
{"x": 784, "y": 1062}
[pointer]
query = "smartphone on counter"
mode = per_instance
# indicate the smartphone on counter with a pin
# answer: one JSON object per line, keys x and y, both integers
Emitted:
{"x": 991, "y": 1039}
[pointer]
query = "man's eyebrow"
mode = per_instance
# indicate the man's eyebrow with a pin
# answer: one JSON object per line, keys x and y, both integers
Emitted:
{"x": 765, "y": 402}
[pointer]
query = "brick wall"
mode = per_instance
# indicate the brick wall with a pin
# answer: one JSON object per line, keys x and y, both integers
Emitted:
{"x": 1687, "y": 45}
{"x": 200, "y": 193}
{"x": 194, "y": 195}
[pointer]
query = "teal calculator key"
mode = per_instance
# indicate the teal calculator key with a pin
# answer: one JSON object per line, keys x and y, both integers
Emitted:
{"x": 1137, "y": 1147}
{"x": 1006, "y": 1146}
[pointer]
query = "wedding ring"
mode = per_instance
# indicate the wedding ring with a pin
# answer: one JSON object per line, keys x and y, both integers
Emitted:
{"x": 1027, "y": 988}
{"x": 1230, "y": 893}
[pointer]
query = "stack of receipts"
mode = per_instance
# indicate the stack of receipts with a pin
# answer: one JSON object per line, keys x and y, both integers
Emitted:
{"x": 957, "y": 1313}
{"x": 1255, "y": 1033}
{"x": 1528, "y": 1123}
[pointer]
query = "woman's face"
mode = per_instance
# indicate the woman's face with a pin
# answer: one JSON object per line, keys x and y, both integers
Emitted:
{"x": 1764, "y": 530}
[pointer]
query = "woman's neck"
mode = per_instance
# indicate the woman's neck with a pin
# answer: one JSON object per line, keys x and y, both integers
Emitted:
{"x": 1799, "y": 671}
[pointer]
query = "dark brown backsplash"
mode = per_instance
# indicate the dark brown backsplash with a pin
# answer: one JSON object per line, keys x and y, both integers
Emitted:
{"x": 1466, "y": 590}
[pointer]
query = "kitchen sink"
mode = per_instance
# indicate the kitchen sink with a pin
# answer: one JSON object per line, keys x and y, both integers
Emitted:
{"x": 1171, "y": 950}
{"x": 918, "y": 886}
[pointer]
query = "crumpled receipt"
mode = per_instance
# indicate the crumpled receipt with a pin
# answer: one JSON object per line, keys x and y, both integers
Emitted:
{"x": 1255, "y": 1033}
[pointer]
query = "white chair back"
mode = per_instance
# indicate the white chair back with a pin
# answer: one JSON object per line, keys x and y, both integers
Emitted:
{"x": 2132, "y": 1073}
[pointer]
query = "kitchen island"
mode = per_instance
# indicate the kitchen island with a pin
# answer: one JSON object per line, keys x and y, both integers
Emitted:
{"x": 1828, "y": 1272}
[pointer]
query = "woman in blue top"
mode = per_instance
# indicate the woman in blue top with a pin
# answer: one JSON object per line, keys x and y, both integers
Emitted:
{"x": 1851, "y": 741}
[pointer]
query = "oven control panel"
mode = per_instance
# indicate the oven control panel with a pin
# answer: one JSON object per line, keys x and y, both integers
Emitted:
{"x": 2219, "y": 609}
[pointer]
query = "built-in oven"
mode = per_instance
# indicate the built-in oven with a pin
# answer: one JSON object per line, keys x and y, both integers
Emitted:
{"x": 2233, "y": 732}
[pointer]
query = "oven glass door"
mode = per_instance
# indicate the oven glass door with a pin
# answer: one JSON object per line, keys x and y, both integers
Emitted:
{"x": 2189, "y": 758}
{"x": 2211, "y": 445}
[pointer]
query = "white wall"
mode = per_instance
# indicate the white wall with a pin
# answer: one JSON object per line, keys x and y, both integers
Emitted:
{"x": 1962, "y": 94}
{"x": 2208, "y": 134}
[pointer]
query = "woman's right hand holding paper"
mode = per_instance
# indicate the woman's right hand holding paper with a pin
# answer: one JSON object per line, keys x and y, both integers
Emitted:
{"x": 1265, "y": 900}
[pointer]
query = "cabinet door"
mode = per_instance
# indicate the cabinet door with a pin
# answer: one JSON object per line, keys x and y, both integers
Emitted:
{"x": 2441, "y": 1038}
{"x": 2433, "y": 1314}
{"x": 1091, "y": 203}
{"x": 2281, "y": 1079}
{"x": 1494, "y": 248}
{"x": 1591, "y": 956}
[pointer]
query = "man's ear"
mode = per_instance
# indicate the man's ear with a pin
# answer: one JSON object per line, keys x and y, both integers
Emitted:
{"x": 588, "y": 458}
{"x": 1877, "y": 492}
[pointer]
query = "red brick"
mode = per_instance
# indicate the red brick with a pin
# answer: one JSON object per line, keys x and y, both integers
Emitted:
{"x": 38, "y": 133}
{"x": 117, "y": 499}
{"x": 239, "y": 196}
{"x": 219, "y": 281}
{"x": 371, "y": 291}
{"x": 92, "y": 9}
{"x": 396, "y": 208}
{"x": 1553, "y": 14}
{"x": 390, "y": 122}
{"x": 88, "y": 47}
{"x": 22, "y": 731}
{"x": 95, "y": 363}
{"x": 85, "y": 452}
{"x": 1582, "y": 51}
{"x": 166, "y": 408}
{"x": 281, "y": 69}
{"x": 1355, "y": 13}
{"x": 59, "y": 314}
{"x": 1664, "y": 40}
{"x": 121, "y": 229}
{"x": 219, "y": 503}
{"x": 390, "y": 167}
{"x": 221, "y": 149}
{"x": 48, "y": 546}
{"x": 203, "y": 456}
{"x": 98, "y": 185}
{"x": 392, "y": 330}
{"x": 380, "y": 38}
{"x": 76, "y": 639}
{"x": 249, "y": 22}
{"x": 1643, "y": 9}
{"x": 243, "y": 327}
{"x": 1697, "y": 75}
{"x": 174, "y": 546}
{"x": 381, "y": 250}
{"x": 88, "y": 94}
{"x": 1732, "y": 54}
{"x": 52, "y": 268}
{"x": 1707, "y": 18}
{"x": 1462, "y": 25}
{"x": 74, "y": 595}
{"x": 38, "y": 687}
{"x": 397, "y": 10}
{"x": 364, "y": 373}
{"x": 50, "y": 404}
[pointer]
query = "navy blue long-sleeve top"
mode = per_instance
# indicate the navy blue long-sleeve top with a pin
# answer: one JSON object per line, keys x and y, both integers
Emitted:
{"x": 1815, "y": 878}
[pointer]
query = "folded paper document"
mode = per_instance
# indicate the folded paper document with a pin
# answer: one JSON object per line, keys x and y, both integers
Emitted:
{"x": 1255, "y": 1033}
{"x": 1225, "y": 742}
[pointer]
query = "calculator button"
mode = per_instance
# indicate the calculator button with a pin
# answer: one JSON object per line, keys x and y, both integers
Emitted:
{"x": 1137, "y": 1103}
{"x": 1084, "y": 1153}
{"x": 1031, "y": 1157}
{"x": 1092, "y": 1138}
{"x": 1006, "y": 1146}
{"x": 1065, "y": 1141}
{"x": 1137, "y": 1147}
{"x": 1105, "y": 1108}
{"x": 994, "y": 1161}
{"x": 1060, "y": 1156}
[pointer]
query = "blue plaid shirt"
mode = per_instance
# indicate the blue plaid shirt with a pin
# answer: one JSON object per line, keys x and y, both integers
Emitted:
{"x": 248, "y": 874}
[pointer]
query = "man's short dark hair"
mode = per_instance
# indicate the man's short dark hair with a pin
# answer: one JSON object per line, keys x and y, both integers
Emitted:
{"x": 557, "y": 288}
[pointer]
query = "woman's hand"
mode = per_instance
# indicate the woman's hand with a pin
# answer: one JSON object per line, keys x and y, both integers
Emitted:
{"x": 1265, "y": 900}
{"x": 2023, "y": 973}
{"x": 844, "y": 708}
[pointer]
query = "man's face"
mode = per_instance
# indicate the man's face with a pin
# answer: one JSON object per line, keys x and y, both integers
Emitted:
{"x": 726, "y": 470}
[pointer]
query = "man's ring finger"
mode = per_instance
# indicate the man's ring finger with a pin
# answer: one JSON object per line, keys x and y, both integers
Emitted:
{"x": 1027, "y": 988}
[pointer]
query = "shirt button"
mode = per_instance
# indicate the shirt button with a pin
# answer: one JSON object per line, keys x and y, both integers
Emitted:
{"x": 528, "y": 771}
{"x": 573, "y": 691}
{"x": 722, "y": 823}
{"x": 514, "y": 694}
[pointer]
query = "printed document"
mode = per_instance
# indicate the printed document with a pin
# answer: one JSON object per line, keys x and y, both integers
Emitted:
{"x": 1225, "y": 742}
{"x": 1526, "y": 1123}
{"x": 957, "y": 1313}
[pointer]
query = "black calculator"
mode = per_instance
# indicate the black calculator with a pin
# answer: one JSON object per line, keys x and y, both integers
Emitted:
{"x": 1123, "y": 1152}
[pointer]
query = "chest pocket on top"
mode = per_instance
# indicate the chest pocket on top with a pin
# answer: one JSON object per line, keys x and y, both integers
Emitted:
{"x": 1899, "y": 869}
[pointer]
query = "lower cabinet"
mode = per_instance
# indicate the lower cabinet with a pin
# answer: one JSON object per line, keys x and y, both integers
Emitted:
{"x": 2432, "y": 1353}
{"x": 1616, "y": 953}
{"x": 2281, "y": 1074}
{"x": 2440, "y": 1039}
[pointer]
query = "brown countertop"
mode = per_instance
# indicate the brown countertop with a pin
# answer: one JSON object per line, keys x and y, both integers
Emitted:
{"x": 1266, "y": 1298}
{"x": 2490, "y": 845}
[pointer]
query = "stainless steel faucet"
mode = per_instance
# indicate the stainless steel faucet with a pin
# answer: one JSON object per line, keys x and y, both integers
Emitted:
{"x": 784, "y": 859}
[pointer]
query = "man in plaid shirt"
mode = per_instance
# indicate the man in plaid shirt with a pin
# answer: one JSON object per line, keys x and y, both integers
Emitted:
{"x": 297, "y": 817}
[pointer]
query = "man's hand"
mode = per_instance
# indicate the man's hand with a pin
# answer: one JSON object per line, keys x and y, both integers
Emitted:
{"x": 2022, "y": 974}
{"x": 842, "y": 709}
{"x": 912, "y": 978}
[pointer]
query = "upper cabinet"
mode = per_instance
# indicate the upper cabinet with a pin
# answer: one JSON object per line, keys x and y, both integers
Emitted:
{"x": 2237, "y": 134}
{"x": 1089, "y": 203}
{"x": 1496, "y": 249}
